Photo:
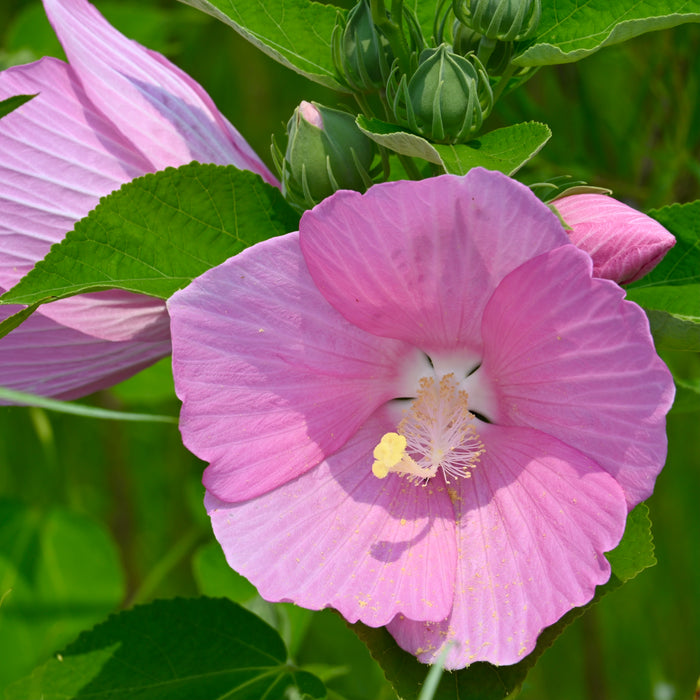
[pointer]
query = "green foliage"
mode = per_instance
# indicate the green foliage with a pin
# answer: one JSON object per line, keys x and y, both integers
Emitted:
{"x": 297, "y": 33}
{"x": 483, "y": 681}
{"x": 570, "y": 30}
{"x": 506, "y": 149}
{"x": 671, "y": 291}
{"x": 59, "y": 573}
{"x": 158, "y": 232}
{"x": 204, "y": 648}
{"x": 11, "y": 103}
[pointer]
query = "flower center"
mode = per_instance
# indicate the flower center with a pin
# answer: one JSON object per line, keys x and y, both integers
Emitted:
{"x": 437, "y": 433}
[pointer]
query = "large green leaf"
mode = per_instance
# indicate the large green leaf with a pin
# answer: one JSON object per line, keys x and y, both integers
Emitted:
{"x": 297, "y": 33}
{"x": 506, "y": 149}
{"x": 484, "y": 681}
{"x": 671, "y": 291}
{"x": 59, "y": 573}
{"x": 11, "y": 103}
{"x": 204, "y": 648}
{"x": 570, "y": 30}
{"x": 158, "y": 232}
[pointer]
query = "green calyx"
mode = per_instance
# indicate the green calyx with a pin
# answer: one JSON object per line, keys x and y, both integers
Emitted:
{"x": 361, "y": 53}
{"x": 446, "y": 99}
{"x": 325, "y": 152}
{"x": 502, "y": 20}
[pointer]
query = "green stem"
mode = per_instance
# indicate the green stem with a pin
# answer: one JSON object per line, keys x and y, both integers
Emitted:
{"x": 164, "y": 566}
{"x": 410, "y": 167}
{"x": 392, "y": 29}
{"x": 503, "y": 82}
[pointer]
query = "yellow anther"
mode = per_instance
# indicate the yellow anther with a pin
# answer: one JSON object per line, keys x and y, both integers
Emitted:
{"x": 437, "y": 432}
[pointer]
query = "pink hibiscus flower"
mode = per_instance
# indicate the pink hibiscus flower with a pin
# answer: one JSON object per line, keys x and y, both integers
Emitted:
{"x": 624, "y": 243}
{"x": 114, "y": 112}
{"x": 423, "y": 411}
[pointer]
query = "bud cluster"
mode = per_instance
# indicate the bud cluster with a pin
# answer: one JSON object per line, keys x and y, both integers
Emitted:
{"x": 442, "y": 92}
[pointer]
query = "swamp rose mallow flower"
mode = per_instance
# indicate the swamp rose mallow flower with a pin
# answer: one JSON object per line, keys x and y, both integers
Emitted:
{"x": 422, "y": 410}
{"x": 114, "y": 112}
{"x": 624, "y": 243}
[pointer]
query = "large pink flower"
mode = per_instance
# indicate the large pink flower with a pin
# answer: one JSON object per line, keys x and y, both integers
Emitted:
{"x": 114, "y": 112}
{"x": 424, "y": 411}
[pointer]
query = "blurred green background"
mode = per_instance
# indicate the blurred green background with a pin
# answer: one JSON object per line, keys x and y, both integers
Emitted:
{"x": 97, "y": 515}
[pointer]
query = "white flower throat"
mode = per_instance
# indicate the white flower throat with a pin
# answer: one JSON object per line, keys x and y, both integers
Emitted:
{"x": 437, "y": 432}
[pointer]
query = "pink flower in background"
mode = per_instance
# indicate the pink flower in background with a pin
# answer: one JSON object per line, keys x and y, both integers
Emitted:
{"x": 423, "y": 411}
{"x": 114, "y": 112}
{"x": 624, "y": 243}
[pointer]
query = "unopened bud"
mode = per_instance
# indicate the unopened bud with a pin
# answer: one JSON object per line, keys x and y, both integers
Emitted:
{"x": 361, "y": 53}
{"x": 325, "y": 152}
{"x": 623, "y": 243}
{"x": 446, "y": 99}
{"x": 505, "y": 20}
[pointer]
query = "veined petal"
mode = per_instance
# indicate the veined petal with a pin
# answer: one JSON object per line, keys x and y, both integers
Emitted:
{"x": 337, "y": 536}
{"x": 112, "y": 315}
{"x": 272, "y": 378}
{"x": 46, "y": 358}
{"x": 624, "y": 243}
{"x": 567, "y": 355}
{"x": 418, "y": 260}
{"x": 159, "y": 108}
{"x": 59, "y": 156}
{"x": 532, "y": 525}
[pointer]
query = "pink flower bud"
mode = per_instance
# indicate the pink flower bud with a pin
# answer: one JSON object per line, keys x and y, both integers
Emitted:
{"x": 624, "y": 243}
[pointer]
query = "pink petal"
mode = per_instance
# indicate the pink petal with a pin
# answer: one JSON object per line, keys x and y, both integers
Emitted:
{"x": 337, "y": 536}
{"x": 159, "y": 108}
{"x": 418, "y": 260}
{"x": 60, "y": 156}
{"x": 112, "y": 315}
{"x": 532, "y": 525}
{"x": 271, "y": 377}
{"x": 567, "y": 355}
{"x": 624, "y": 243}
{"x": 43, "y": 357}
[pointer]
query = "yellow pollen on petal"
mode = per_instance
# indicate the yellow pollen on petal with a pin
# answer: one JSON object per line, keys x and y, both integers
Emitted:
{"x": 437, "y": 433}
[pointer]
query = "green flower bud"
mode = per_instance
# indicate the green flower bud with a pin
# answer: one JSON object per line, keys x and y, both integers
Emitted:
{"x": 325, "y": 152}
{"x": 446, "y": 99}
{"x": 505, "y": 20}
{"x": 361, "y": 53}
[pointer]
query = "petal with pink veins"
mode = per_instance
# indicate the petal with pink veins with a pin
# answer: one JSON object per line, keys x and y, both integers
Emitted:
{"x": 337, "y": 536}
{"x": 60, "y": 155}
{"x": 624, "y": 243}
{"x": 271, "y": 389}
{"x": 418, "y": 260}
{"x": 43, "y": 357}
{"x": 533, "y": 522}
{"x": 159, "y": 108}
{"x": 566, "y": 354}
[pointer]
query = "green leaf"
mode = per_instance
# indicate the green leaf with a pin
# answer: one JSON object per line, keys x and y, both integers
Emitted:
{"x": 158, "y": 232}
{"x": 484, "y": 681}
{"x": 11, "y": 103}
{"x": 671, "y": 291}
{"x": 204, "y": 648}
{"x": 59, "y": 573}
{"x": 506, "y": 149}
{"x": 296, "y": 33}
{"x": 21, "y": 398}
{"x": 570, "y": 30}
